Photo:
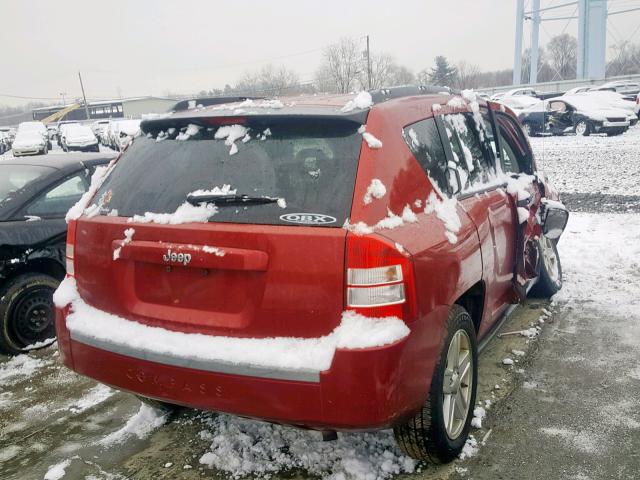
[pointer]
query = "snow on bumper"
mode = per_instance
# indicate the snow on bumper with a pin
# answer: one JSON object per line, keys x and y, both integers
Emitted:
{"x": 284, "y": 358}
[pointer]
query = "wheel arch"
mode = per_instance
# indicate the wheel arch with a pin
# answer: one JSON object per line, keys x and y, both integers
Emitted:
{"x": 473, "y": 301}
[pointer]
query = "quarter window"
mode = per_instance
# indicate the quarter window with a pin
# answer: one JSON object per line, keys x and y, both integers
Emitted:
{"x": 424, "y": 141}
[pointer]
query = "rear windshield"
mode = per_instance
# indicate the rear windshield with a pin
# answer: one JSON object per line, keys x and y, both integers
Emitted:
{"x": 309, "y": 164}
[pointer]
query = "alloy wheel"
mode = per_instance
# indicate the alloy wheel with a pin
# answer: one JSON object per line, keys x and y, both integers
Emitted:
{"x": 457, "y": 384}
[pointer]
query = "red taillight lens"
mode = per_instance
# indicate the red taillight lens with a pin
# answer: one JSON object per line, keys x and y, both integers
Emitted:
{"x": 70, "y": 250}
{"x": 379, "y": 278}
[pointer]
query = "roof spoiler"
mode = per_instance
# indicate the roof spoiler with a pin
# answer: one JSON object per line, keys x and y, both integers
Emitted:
{"x": 208, "y": 101}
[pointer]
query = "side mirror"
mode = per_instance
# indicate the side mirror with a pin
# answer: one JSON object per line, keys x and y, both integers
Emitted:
{"x": 555, "y": 219}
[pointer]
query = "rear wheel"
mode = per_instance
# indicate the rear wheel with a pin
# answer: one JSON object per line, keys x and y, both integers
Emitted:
{"x": 550, "y": 270}
{"x": 439, "y": 431}
{"x": 583, "y": 128}
{"x": 26, "y": 312}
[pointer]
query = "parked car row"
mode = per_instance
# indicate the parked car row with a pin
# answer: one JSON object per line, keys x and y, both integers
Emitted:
{"x": 116, "y": 133}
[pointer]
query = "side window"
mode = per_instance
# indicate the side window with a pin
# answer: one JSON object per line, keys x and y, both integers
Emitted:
{"x": 472, "y": 157}
{"x": 57, "y": 201}
{"x": 424, "y": 141}
{"x": 520, "y": 159}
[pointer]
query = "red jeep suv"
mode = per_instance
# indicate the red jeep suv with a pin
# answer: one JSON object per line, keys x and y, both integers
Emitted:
{"x": 328, "y": 262}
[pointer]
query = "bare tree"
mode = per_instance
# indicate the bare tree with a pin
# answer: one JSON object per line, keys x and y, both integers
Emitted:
{"x": 562, "y": 50}
{"x": 269, "y": 80}
{"x": 626, "y": 59}
{"x": 401, "y": 75}
{"x": 341, "y": 66}
{"x": 468, "y": 75}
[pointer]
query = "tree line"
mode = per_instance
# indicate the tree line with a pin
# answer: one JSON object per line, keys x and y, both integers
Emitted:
{"x": 344, "y": 68}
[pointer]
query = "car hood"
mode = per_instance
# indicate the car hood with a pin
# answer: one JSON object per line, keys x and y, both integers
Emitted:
{"x": 25, "y": 141}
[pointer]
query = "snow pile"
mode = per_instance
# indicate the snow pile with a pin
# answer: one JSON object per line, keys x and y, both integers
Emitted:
{"x": 456, "y": 102}
{"x": 128, "y": 236}
{"x": 57, "y": 471}
{"x": 372, "y": 141}
{"x": 231, "y": 133}
{"x": 446, "y": 210}
{"x": 376, "y": 189}
{"x": 361, "y": 100}
{"x": 470, "y": 448}
{"x": 242, "y": 448}
{"x": 478, "y": 415}
{"x": 185, "y": 213}
{"x": 98, "y": 177}
{"x": 213, "y": 250}
{"x": 287, "y": 353}
{"x": 436, "y": 107}
{"x": 189, "y": 132}
{"x": 507, "y": 361}
{"x": 140, "y": 425}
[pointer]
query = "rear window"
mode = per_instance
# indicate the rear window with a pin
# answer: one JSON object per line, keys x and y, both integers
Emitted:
{"x": 311, "y": 164}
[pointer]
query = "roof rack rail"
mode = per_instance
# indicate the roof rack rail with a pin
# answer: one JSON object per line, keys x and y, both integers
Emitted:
{"x": 208, "y": 101}
{"x": 382, "y": 94}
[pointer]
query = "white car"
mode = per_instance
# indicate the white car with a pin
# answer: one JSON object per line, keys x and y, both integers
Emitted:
{"x": 575, "y": 90}
{"x": 611, "y": 99}
{"x": 29, "y": 142}
{"x": 38, "y": 127}
{"x": 79, "y": 137}
{"x": 122, "y": 132}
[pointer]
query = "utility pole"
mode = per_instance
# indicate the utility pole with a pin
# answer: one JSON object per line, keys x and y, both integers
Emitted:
{"x": 368, "y": 64}
{"x": 86, "y": 106}
{"x": 62, "y": 94}
{"x": 535, "y": 33}
{"x": 517, "y": 56}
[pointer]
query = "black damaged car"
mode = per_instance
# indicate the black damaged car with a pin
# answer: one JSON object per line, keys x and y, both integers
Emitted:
{"x": 580, "y": 114}
{"x": 34, "y": 198}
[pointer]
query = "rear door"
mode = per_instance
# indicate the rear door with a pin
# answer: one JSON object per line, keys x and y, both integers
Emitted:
{"x": 269, "y": 267}
{"x": 486, "y": 202}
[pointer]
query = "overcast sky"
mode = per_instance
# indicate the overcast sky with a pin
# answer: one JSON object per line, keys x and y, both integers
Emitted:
{"x": 144, "y": 47}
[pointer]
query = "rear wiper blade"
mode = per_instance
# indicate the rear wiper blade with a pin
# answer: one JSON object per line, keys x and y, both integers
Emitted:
{"x": 229, "y": 199}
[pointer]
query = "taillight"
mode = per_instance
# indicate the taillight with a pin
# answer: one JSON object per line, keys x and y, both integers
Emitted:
{"x": 380, "y": 279}
{"x": 69, "y": 251}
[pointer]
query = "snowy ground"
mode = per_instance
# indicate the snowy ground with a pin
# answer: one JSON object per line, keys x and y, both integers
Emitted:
{"x": 572, "y": 407}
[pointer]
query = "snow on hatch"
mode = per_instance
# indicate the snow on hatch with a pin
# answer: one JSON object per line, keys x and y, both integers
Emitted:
{"x": 128, "y": 236}
{"x": 185, "y": 213}
{"x": 241, "y": 448}
{"x": 361, "y": 100}
{"x": 286, "y": 353}
{"x": 372, "y": 141}
{"x": 376, "y": 189}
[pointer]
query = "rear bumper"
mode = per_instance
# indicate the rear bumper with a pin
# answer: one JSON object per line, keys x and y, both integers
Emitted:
{"x": 365, "y": 389}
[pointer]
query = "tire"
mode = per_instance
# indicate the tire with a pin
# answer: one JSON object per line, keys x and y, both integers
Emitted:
{"x": 27, "y": 313}
{"x": 583, "y": 128}
{"x": 549, "y": 270}
{"x": 425, "y": 436}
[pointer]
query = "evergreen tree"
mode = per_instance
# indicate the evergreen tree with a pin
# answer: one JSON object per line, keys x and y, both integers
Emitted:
{"x": 443, "y": 73}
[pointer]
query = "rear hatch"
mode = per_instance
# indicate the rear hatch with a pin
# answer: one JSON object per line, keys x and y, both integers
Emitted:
{"x": 270, "y": 259}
